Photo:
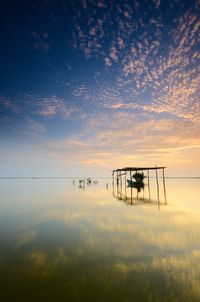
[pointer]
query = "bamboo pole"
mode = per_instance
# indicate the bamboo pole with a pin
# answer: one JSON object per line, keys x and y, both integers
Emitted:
{"x": 131, "y": 190}
{"x": 113, "y": 180}
{"x": 125, "y": 185}
{"x": 121, "y": 183}
{"x": 149, "y": 186}
{"x": 157, "y": 186}
{"x": 163, "y": 173}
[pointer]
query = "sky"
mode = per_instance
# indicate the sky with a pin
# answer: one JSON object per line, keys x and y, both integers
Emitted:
{"x": 90, "y": 86}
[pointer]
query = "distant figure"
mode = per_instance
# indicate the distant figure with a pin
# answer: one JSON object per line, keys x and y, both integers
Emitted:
{"x": 107, "y": 185}
{"x": 73, "y": 181}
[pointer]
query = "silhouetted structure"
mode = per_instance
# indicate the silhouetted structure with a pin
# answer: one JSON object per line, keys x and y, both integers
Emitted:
{"x": 136, "y": 180}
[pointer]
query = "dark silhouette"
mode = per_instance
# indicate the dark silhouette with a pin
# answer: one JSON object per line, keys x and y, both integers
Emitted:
{"x": 137, "y": 182}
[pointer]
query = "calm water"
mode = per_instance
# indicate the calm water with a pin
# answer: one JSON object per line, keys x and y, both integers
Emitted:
{"x": 59, "y": 242}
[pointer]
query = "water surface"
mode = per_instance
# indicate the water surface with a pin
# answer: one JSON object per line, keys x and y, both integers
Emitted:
{"x": 59, "y": 242}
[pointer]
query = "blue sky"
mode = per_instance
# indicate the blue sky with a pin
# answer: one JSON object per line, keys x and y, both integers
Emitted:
{"x": 88, "y": 86}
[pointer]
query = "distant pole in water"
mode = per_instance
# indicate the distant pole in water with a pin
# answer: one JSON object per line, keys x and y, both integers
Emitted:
{"x": 164, "y": 185}
{"x": 157, "y": 185}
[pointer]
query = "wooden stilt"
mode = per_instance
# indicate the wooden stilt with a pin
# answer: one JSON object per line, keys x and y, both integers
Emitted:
{"x": 131, "y": 190}
{"x": 125, "y": 185}
{"x": 157, "y": 186}
{"x": 113, "y": 180}
{"x": 120, "y": 190}
{"x": 149, "y": 185}
{"x": 163, "y": 173}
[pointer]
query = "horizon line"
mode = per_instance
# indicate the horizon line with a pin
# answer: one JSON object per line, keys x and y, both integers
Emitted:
{"x": 71, "y": 177}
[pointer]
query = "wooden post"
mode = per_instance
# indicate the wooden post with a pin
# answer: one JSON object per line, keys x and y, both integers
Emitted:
{"x": 157, "y": 185}
{"x": 113, "y": 173}
{"x": 164, "y": 185}
{"x": 117, "y": 185}
{"x": 149, "y": 186}
{"x": 125, "y": 185}
{"x": 131, "y": 189}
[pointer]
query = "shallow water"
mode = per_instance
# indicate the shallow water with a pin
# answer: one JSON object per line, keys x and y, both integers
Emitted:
{"x": 59, "y": 242}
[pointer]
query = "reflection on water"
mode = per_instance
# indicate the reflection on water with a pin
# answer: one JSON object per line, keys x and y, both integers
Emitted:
{"x": 62, "y": 243}
{"x": 129, "y": 193}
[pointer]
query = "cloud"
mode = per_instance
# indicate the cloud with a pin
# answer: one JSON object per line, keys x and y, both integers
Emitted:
{"x": 120, "y": 42}
{"x": 10, "y": 104}
{"x": 119, "y": 137}
{"x": 42, "y": 46}
{"x": 53, "y": 106}
{"x": 140, "y": 95}
{"x": 113, "y": 54}
{"x": 101, "y": 4}
{"x": 157, "y": 3}
{"x": 35, "y": 125}
{"x": 41, "y": 41}
{"x": 108, "y": 62}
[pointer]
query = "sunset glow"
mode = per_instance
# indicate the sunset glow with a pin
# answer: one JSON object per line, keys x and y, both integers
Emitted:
{"x": 89, "y": 86}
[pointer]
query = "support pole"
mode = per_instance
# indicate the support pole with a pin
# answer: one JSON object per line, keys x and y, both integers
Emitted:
{"x": 121, "y": 183}
{"x": 149, "y": 185}
{"x": 163, "y": 173}
{"x": 125, "y": 185}
{"x": 131, "y": 189}
{"x": 157, "y": 186}
{"x": 117, "y": 182}
{"x": 113, "y": 177}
